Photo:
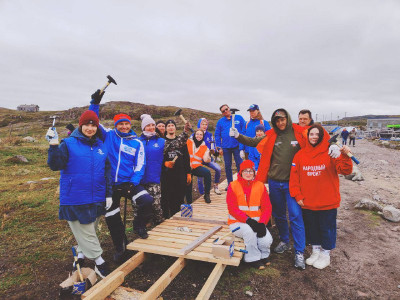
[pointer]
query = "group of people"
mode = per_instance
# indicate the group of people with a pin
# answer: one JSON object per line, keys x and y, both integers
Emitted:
{"x": 351, "y": 135}
{"x": 100, "y": 166}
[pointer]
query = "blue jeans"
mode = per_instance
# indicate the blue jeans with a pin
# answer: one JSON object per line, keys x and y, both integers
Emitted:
{"x": 280, "y": 197}
{"x": 321, "y": 227}
{"x": 213, "y": 165}
{"x": 228, "y": 152}
{"x": 199, "y": 172}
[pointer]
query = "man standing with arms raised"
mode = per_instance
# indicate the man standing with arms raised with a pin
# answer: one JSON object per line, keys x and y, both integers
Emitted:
{"x": 227, "y": 145}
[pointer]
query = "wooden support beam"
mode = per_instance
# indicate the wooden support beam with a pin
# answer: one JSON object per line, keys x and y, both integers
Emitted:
{"x": 185, "y": 250}
{"x": 161, "y": 284}
{"x": 107, "y": 285}
{"x": 200, "y": 220}
{"x": 211, "y": 282}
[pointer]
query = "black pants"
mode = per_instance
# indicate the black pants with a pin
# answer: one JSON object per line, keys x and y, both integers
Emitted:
{"x": 173, "y": 191}
{"x": 113, "y": 215}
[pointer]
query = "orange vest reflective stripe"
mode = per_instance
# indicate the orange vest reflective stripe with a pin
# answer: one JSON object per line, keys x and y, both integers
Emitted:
{"x": 253, "y": 208}
{"x": 196, "y": 158}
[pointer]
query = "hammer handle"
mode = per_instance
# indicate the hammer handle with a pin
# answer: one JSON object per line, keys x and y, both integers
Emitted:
{"x": 350, "y": 155}
{"x": 183, "y": 119}
{"x": 76, "y": 263}
{"x": 104, "y": 88}
{"x": 233, "y": 120}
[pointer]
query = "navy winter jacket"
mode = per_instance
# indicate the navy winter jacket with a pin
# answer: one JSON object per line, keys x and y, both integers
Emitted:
{"x": 82, "y": 164}
{"x": 222, "y": 138}
{"x": 154, "y": 148}
{"x": 125, "y": 153}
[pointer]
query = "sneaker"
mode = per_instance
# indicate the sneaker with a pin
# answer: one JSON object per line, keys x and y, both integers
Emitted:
{"x": 299, "y": 261}
{"x": 81, "y": 263}
{"x": 257, "y": 265}
{"x": 282, "y": 247}
{"x": 313, "y": 258}
{"x": 217, "y": 191}
{"x": 142, "y": 232}
{"x": 323, "y": 261}
{"x": 102, "y": 270}
{"x": 265, "y": 261}
{"x": 207, "y": 198}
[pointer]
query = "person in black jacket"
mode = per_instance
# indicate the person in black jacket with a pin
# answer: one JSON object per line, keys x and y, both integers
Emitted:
{"x": 175, "y": 174}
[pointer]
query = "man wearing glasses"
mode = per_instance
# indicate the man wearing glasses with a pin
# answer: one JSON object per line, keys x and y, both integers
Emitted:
{"x": 227, "y": 145}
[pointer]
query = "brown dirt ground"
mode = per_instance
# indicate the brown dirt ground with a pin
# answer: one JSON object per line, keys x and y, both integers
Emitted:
{"x": 366, "y": 263}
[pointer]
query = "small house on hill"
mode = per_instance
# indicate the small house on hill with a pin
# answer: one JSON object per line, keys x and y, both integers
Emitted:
{"x": 30, "y": 107}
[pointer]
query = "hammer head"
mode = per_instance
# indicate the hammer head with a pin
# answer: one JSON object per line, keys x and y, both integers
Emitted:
{"x": 234, "y": 110}
{"x": 333, "y": 139}
{"x": 178, "y": 112}
{"x": 111, "y": 80}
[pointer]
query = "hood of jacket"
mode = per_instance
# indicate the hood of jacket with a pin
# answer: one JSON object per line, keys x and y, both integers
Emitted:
{"x": 322, "y": 147}
{"x": 199, "y": 122}
{"x": 289, "y": 122}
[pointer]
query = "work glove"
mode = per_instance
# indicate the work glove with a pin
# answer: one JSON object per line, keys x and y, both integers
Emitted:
{"x": 242, "y": 154}
{"x": 169, "y": 164}
{"x": 188, "y": 179}
{"x": 334, "y": 151}
{"x": 233, "y": 132}
{"x": 52, "y": 136}
{"x": 252, "y": 223}
{"x": 96, "y": 97}
{"x": 187, "y": 126}
{"x": 108, "y": 203}
{"x": 261, "y": 230}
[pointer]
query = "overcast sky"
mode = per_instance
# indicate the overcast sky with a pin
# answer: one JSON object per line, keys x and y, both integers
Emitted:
{"x": 327, "y": 56}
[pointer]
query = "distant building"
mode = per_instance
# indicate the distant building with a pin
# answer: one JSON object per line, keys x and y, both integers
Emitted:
{"x": 381, "y": 123}
{"x": 26, "y": 107}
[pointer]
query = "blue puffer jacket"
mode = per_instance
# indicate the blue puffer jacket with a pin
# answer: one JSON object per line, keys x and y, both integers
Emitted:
{"x": 82, "y": 164}
{"x": 125, "y": 153}
{"x": 154, "y": 148}
{"x": 208, "y": 137}
{"x": 250, "y": 130}
{"x": 222, "y": 138}
{"x": 254, "y": 156}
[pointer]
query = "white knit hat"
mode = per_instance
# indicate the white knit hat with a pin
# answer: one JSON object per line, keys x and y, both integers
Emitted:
{"x": 146, "y": 120}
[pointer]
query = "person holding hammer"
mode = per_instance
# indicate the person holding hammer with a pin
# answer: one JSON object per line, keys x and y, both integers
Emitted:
{"x": 227, "y": 145}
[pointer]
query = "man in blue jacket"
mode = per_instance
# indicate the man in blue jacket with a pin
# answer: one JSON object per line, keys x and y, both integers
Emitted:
{"x": 256, "y": 118}
{"x": 227, "y": 145}
{"x": 127, "y": 158}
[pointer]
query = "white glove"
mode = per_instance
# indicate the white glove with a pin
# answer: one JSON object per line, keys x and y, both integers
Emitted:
{"x": 242, "y": 154}
{"x": 108, "y": 203}
{"x": 233, "y": 132}
{"x": 334, "y": 151}
{"x": 52, "y": 136}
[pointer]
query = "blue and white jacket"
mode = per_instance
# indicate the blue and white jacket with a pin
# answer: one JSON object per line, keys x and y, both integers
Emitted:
{"x": 250, "y": 130}
{"x": 208, "y": 137}
{"x": 82, "y": 164}
{"x": 154, "y": 148}
{"x": 222, "y": 138}
{"x": 125, "y": 153}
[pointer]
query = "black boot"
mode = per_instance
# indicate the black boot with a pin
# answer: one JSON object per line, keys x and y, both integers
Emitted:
{"x": 207, "y": 198}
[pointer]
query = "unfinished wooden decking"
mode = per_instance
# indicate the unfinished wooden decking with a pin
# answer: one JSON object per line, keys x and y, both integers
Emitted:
{"x": 167, "y": 239}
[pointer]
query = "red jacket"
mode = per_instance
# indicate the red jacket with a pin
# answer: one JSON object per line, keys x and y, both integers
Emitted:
{"x": 233, "y": 208}
{"x": 266, "y": 147}
{"x": 314, "y": 176}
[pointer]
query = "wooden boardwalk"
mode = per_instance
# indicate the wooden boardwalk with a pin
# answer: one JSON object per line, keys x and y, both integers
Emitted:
{"x": 184, "y": 238}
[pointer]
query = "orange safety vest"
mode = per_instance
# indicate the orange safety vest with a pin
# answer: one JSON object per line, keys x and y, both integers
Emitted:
{"x": 196, "y": 158}
{"x": 253, "y": 208}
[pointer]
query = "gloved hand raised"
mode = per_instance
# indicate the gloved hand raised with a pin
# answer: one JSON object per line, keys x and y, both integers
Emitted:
{"x": 188, "y": 179}
{"x": 169, "y": 164}
{"x": 252, "y": 223}
{"x": 52, "y": 136}
{"x": 233, "y": 132}
{"x": 334, "y": 151}
{"x": 96, "y": 97}
{"x": 108, "y": 203}
{"x": 261, "y": 230}
{"x": 242, "y": 154}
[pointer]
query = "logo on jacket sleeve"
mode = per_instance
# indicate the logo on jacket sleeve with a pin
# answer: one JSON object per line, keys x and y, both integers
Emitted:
{"x": 156, "y": 145}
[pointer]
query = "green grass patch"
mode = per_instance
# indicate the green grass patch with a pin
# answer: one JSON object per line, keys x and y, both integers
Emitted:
{"x": 14, "y": 280}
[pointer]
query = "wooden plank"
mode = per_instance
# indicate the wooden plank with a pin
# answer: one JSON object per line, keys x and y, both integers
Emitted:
{"x": 161, "y": 284}
{"x": 113, "y": 280}
{"x": 200, "y": 220}
{"x": 211, "y": 282}
{"x": 198, "y": 241}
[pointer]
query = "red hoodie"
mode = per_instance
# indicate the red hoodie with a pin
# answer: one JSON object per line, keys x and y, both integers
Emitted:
{"x": 314, "y": 176}
{"x": 266, "y": 208}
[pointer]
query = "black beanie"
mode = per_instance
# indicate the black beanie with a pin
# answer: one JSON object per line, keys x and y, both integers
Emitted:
{"x": 170, "y": 122}
{"x": 160, "y": 122}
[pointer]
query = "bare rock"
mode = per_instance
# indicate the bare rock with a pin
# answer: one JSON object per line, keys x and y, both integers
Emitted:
{"x": 362, "y": 294}
{"x": 376, "y": 197}
{"x": 391, "y": 213}
{"x": 249, "y": 293}
{"x": 29, "y": 139}
{"x": 18, "y": 159}
{"x": 385, "y": 143}
{"x": 355, "y": 175}
{"x": 369, "y": 204}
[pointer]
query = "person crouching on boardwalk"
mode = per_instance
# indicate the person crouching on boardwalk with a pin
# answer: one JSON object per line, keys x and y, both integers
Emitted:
{"x": 250, "y": 209}
{"x": 314, "y": 183}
